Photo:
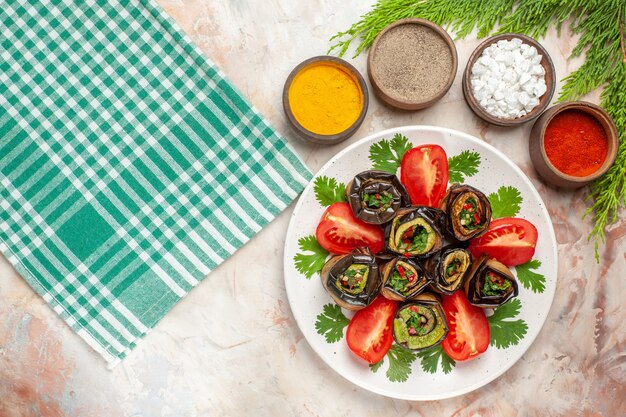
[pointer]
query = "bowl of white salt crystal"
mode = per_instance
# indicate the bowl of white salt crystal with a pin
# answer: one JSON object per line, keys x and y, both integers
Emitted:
{"x": 509, "y": 80}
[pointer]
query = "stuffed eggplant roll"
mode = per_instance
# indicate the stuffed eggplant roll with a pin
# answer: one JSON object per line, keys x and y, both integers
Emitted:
{"x": 468, "y": 212}
{"x": 352, "y": 280}
{"x": 448, "y": 268}
{"x": 420, "y": 324}
{"x": 376, "y": 196}
{"x": 415, "y": 232}
{"x": 403, "y": 279}
{"x": 490, "y": 283}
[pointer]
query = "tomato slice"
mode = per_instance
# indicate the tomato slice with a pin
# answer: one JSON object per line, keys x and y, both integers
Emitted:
{"x": 369, "y": 333}
{"x": 339, "y": 231}
{"x": 424, "y": 173}
{"x": 510, "y": 240}
{"x": 468, "y": 334}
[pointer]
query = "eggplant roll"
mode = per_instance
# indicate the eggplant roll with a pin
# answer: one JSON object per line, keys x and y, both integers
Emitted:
{"x": 420, "y": 324}
{"x": 448, "y": 268}
{"x": 490, "y": 283}
{"x": 403, "y": 279}
{"x": 352, "y": 280}
{"x": 468, "y": 212}
{"x": 376, "y": 196}
{"x": 415, "y": 232}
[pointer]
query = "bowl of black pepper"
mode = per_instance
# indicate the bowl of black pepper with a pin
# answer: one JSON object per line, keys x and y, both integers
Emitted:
{"x": 412, "y": 64}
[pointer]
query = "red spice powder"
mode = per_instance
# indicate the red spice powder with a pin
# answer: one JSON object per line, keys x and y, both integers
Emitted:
{"x": 575, "y": 143}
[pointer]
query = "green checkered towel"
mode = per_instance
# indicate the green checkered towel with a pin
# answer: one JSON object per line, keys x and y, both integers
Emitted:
{"x": 129, "y": 166}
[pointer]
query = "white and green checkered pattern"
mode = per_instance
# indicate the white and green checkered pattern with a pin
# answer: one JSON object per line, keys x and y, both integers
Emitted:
{"x": 129, "y": 166}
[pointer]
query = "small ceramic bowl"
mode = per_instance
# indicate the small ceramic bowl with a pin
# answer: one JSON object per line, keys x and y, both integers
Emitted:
{"x": 540, "y": 160}
{"x": 387, "y": 95}
{"x": 309, "y": 135}
{"x": 544, "y": 100}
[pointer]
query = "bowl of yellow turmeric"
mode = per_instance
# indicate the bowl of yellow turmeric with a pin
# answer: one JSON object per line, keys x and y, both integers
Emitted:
{"x": 325, "y": 100}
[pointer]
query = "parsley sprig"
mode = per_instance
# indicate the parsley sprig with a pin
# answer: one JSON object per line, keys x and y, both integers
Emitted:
{"x": 400, "y": 361}
{"x": 328, "y": 191}
{"x": 313, "y": 259}
{"x": 331, "y": 322}
{"x": 430, "y": 360}
{"x": 530, "y": 279}
{"x": 386, "y": 155}
{"x": 506, "y": 202}
{"x": 462, "y": 166}
{"x": 504, "y": 331}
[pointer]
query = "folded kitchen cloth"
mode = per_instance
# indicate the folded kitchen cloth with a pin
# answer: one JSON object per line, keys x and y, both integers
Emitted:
{"x": 129, "y": 166}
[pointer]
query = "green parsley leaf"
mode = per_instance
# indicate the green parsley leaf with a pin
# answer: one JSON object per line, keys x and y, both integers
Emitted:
{"x": 309, "y": 264}
{"x": 328, "y": 191}
{"x": 331, "y": 322}
{"x": 530, "y": 279}
{"x": 400, "y": 361}
{"x": 387, "y": 155}
{"x": 430, "y": 360}
{"x": 376, "y": 366}
{"x": 505, "y": 333}
{"x": 462, "y": 166}
{"x": 505, "y": 203}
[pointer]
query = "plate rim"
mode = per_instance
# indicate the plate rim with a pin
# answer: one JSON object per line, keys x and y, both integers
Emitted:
{"x": 551, "y": 235}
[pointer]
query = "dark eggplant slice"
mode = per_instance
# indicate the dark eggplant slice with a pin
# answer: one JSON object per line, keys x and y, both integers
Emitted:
{"x": 490, "y": 283}
{"x": 468, "y": 212}
{"x": 415, "y": 232}
{"x": 352, "y": 280}
{"x": 403, "y": 279}
{"x": 448, "y": 268}
{"x": 420, "y": 324}
{"x": 376, "y": 196}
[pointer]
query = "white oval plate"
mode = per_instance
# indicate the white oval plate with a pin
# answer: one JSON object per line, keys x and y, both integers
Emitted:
{"x": 307, "y": 296}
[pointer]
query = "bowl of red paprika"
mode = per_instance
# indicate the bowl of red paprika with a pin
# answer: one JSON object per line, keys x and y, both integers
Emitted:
{"x": 573, "y": 143}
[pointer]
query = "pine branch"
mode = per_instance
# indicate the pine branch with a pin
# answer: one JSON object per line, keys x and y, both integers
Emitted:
{"x": 601, "y": 26}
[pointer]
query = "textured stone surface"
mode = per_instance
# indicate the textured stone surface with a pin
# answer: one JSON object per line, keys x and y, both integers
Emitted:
{"x": 232, "y": 347}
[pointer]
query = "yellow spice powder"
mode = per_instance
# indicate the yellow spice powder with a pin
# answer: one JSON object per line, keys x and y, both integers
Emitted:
{"x": 325, "y": 98}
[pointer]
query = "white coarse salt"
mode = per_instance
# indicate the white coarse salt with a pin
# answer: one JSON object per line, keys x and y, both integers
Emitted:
{"x": 507, "y": 79}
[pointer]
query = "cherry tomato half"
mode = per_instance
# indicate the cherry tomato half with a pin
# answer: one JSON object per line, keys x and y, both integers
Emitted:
{"x": 370, "y": 332}
{"x": 424, "y": 173}
{"x": 510, "y": 240}
{"x": 468, "y": 334}
{"x": 339, "y": 231}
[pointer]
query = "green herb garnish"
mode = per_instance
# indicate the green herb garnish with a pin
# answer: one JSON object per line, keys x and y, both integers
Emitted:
{"x": 381, "y": 201}
{"x": 331, "y": 322}
{"x": 495, "y": 285}
{"x": 462, "y": 166}
{"x": 328, "y": 191}
{"x": 505, "y": 202}
{"x": 400, "y": 361}
{"x": 430, "y": 360}
{"x": 311, "y": 263}
{"x": 452, "y": 267}
{"x": 386, "y": 155}
{"x": 529, "y": 279}
{"x": 505, "y": 333}
{"x": 600, "y": 25}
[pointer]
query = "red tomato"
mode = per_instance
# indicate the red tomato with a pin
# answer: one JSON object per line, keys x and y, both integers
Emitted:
{"x": 510, "y": 240}
{"x": 340, "y": 231}
{"x": 424, "y": 173}
{"x": 468, "y": 334}
{"x": 369, "y": 333}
